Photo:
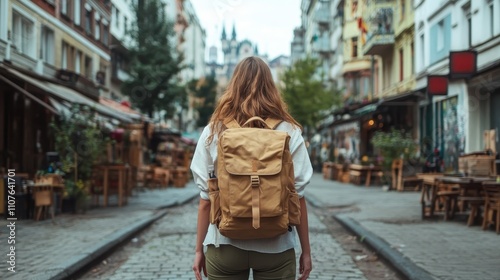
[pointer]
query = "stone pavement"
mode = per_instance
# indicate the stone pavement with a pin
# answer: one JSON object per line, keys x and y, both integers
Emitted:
{"x": 389, "y": 220}
{"x": 438, "y": 249}
{"x": 52, "y": 251}
{"x": 168, "y": 245}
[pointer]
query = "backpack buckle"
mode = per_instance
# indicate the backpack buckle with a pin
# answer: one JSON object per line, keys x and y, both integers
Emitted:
{"x": 255, "y": 181}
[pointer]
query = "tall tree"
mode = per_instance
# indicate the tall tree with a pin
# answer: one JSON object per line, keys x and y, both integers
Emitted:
{"x": 204, "y": 91}
{"x": 153, "y": 61}
{"x": 305, "y": 93}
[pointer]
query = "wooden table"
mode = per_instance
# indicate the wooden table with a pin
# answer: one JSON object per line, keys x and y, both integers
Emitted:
{"x": 468, "y": 190}
{"x": 366, "y": 170}
{"x": 43, "y": 194}
{"x": 123, "y": 182}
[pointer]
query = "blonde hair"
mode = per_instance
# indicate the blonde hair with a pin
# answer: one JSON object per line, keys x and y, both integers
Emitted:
{"x": 251, "y": 92}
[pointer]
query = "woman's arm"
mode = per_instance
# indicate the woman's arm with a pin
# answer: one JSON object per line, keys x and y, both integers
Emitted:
{"x": 201, "y": 232}
{"x": 305, "y": 262}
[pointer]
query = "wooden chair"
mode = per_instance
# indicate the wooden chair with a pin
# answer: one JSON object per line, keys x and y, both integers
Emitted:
{"x": 180, "y": 177}
{"x": 475, "y": 204}
{"x": 449, "y": 199}
{"x": 355, "y": 177}
{"x": 492, "y": 207}
{"x": 97, "y": 185}
{"x": 399, "y": 182}
{"x": 43, "y": 202}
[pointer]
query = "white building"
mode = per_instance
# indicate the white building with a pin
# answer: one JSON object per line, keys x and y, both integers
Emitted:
{"x": 4, "y": 15}
{"x": 194, "y": 46}
{"x": 320, "y": 37}
{"x": 122, "y": 16}
{"x": 455, "y": 123}
{"x": 336, "y": 44}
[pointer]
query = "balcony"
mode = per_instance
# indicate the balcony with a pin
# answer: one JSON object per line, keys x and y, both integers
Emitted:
{"x": 322, "y": 44}
{"x": 78, "y": 82}
{"x": 380, "y": 36}
{"x": 322, "y": 16}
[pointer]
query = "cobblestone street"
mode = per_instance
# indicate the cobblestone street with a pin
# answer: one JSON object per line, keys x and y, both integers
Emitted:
{"x": 167, "y": 251}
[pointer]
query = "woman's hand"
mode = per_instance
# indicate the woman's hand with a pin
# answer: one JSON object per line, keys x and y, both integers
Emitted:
{"x": 199, "y": 265}
{"x": 305, "y": 266}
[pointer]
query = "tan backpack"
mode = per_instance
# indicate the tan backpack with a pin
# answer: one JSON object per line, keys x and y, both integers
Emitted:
{"x": 254, "y": 193}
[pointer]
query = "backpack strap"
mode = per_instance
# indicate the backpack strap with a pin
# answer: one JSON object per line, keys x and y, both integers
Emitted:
{"x": 231, "y": 123}
{"x": 273, "y": 123}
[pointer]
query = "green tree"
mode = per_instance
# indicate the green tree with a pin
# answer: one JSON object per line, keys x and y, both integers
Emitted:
{"x": 152, "y": 60}
{"x": 305, "y": 94}
{"x": 204, "y": 92}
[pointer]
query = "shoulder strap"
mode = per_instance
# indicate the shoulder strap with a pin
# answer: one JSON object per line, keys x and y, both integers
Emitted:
{"x": 231, "y": 123}
{"x": 273, "y": 123}
{"x": 270, "y": 122}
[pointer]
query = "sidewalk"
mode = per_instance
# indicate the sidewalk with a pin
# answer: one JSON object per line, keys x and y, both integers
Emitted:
{"x": 53, "y": 251}
{"x": 390, "y": 222}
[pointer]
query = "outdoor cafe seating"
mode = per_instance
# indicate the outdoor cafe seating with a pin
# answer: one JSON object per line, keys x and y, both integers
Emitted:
{"x": 474, "y": 192}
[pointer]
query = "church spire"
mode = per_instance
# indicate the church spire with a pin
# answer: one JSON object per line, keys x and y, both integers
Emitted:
{"x": 233, "y": 34}
{"x": 223, "y": 36}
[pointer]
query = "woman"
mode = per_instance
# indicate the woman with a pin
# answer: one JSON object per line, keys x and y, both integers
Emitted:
{"x": 251, "y": 92}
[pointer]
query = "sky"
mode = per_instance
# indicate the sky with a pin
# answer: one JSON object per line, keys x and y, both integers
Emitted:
{"x": 267, "y": 23}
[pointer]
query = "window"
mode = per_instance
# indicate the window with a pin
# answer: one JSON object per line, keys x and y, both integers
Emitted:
{"x": 125, "y": 24}
{"x": 47, "y": 44}
{"x": 97, "y": 32}
{"x": 22, "y": 35}
{"x": 440, "y": 35}
{"x": 76, "y": 11}
{"x": 64, "y": 7}
{"x": 77, "y": 62}
{"x": 401, "y": 65}
{"x": 105, "y": 35}
{"x": 88, "y": 67}
{"x": 88, "y": 21}
{"x": 492, "y": 19}
{"x": 403, "y": 9}
{"x": 468, "y": 22}
{"x": 412, "y": 58}
{"x": 64, "y": 58}
{"x": 422, "y": 51}
{"x": 117, "y": 18}
{"x": 354, "y": 43}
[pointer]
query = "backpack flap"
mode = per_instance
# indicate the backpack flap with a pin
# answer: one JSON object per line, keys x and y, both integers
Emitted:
{"x": 244, "y": 153}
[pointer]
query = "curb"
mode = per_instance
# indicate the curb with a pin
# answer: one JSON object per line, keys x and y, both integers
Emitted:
{"x": 401, "y": 263}
{"x": 74, "y": 265}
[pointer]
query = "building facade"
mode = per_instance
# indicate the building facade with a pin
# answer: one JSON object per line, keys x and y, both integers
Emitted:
{"x": 455, "y": 123}
{"x": 53, "y": 54}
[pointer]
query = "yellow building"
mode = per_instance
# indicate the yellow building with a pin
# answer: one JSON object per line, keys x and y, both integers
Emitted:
{"x": 390, "y": 33}
{"x": 73, "y": 38}
{"x": 357, "y": 66}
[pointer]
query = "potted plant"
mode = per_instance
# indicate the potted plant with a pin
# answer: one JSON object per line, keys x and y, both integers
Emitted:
{"x": 392, "y": 145}
{"x": 80, "y": 144}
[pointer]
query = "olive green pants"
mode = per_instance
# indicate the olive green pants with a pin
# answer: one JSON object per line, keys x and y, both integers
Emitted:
{"x": 229, "y": 262}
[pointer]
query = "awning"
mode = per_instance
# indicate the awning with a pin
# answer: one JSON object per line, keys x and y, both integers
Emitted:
{"x": 407, "y": 98}
{"x": 29, "y": 95}
{"x": 131, "y": 113}
{"x": 65, "y": 110}
{"x": 73, "y": 97}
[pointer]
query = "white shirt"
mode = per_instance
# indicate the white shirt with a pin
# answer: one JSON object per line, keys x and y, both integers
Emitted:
{"x": 302, "y": 170}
